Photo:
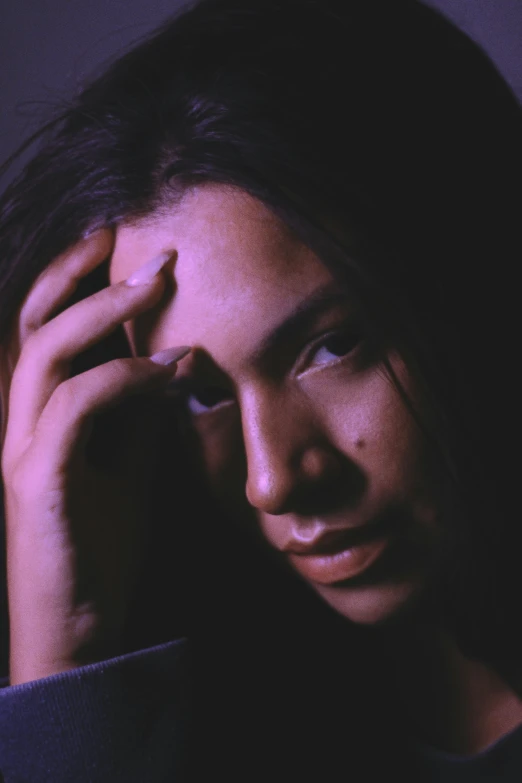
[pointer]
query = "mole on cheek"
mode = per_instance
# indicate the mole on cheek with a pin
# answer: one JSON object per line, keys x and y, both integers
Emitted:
{"x": 360, "y": 443}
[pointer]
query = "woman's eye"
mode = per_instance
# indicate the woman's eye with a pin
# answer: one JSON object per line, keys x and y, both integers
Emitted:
{"x": 334, "y": 347}
{"x": 200, "y": 401}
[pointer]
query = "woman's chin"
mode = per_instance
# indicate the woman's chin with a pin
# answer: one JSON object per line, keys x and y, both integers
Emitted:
{"x": 380, "y": 604}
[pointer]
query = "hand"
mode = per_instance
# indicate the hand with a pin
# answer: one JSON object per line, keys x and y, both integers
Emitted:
{"x": 73, "y": 530}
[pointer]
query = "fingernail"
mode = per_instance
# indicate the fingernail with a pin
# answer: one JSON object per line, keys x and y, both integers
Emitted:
{"x": 147, "y": 272}
{"x": 170, "y": 355}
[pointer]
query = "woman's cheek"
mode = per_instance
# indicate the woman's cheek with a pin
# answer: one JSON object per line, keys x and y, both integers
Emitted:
{"x": 361, "y": 414}
{"x": 353, "y": 406}
{"x": 366, "y": 420}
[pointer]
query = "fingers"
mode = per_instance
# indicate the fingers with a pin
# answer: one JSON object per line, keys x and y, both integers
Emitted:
{"x": 58, "y": 281}
{"x": 51, "y": 290}
{"x": 45, "y": 358}
{"x": 66, "y": 418}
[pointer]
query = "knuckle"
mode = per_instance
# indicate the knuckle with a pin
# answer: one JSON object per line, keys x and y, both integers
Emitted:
{"x": 33, "y": 348}
{"x": 66, "y": 400}
{"x": 67, "y": 393}
{"x": 122, "y": 372}
{"x": 67, "y": 404}
{"x": 15, "y": 479}
{"x": 29, "y": 322}
{"x": 20, "y": 479}
{"x": 29, "y": 354}
{"x": 112, "y": 303}
{"x": 112, "y": 297}
{"x": 31, "y": 343}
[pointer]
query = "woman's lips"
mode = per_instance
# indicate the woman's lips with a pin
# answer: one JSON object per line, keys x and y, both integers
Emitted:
{"x": 342, "y": 561}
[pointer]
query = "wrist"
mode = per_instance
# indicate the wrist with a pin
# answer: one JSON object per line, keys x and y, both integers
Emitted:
{"x": 25, "y": 668}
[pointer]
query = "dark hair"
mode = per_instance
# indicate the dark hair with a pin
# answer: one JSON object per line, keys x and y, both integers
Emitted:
{"x": 377, "y": 118}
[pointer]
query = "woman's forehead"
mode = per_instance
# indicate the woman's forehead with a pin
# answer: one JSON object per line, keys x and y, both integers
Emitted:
{"x": 210, "y": 220}
{"x": 235, "y": 267}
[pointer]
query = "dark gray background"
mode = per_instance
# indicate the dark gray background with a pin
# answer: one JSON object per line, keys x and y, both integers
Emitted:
{"x": 48, "y": 47}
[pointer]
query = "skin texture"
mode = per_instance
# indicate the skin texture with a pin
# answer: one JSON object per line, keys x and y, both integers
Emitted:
{"x": 302, "y": 439}
{"x": 72, "y": 529}
{"x": 299, "y": 437}
{"x": 305, "y": 441}
{"x": 311, "y": 439}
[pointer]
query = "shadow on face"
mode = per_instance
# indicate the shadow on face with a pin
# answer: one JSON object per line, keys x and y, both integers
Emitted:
{"x": 298, "y": 430}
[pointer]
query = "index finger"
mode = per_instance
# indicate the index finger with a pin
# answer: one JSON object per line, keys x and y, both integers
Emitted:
{"x": 51, "y": 290}
{"x": 59, "y": 280}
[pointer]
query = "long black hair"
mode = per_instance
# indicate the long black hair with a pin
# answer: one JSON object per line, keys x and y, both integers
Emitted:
{"x": 388, "y": 141}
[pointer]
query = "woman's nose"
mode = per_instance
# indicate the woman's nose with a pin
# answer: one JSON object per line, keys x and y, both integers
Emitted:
{"x": 288, "y": 458}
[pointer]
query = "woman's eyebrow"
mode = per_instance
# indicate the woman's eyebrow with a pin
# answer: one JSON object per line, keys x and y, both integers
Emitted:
{"x": 300, "y": 319}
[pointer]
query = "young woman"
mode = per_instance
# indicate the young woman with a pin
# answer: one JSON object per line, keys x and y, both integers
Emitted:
{"x": 259, "y": 344}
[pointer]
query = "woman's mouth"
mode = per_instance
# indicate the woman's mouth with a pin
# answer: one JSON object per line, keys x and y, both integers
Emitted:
{"x": 327, "y": 569}
{"x": 339, "y": 555}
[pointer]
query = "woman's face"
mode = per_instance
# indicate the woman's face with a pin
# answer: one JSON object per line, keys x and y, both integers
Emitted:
{"x": 299, "y": 428}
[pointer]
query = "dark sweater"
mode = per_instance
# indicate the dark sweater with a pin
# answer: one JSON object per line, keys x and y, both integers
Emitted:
{"x": 127, "y": 719}
{"x": 120, "y": 720}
